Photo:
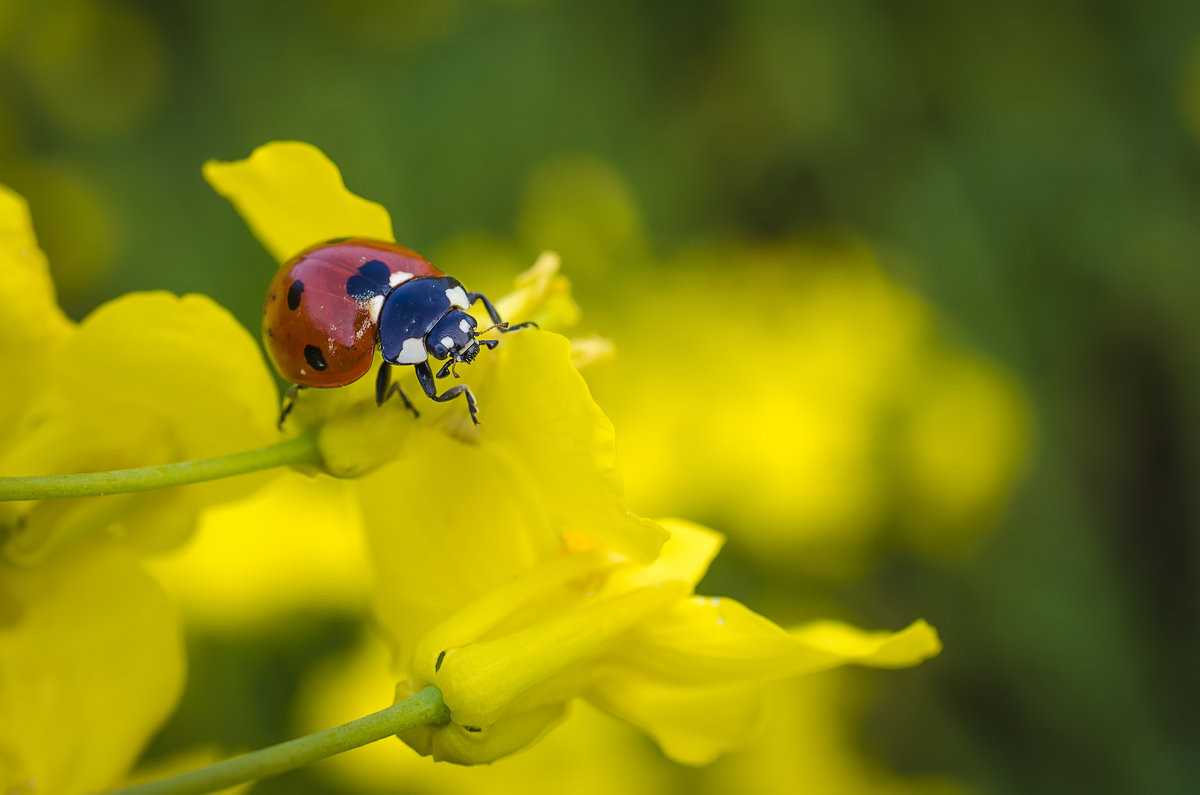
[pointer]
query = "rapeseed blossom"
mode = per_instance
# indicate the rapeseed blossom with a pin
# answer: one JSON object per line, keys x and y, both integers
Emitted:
{"x": 91, "y": 658}
{"x": 509, "y": 571}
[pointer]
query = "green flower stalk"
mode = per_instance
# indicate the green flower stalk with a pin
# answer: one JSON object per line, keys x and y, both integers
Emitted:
{"x": 294, "y": 452}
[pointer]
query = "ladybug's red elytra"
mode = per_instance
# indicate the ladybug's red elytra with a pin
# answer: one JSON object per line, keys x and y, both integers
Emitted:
{"x": 332, "y": 304}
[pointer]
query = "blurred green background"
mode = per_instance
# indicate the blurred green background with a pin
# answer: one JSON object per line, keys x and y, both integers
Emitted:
{"x": 1031, "y": 171}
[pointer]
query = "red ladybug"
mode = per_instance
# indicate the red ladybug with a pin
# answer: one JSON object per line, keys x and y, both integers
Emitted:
{"x": 332, "y": 304}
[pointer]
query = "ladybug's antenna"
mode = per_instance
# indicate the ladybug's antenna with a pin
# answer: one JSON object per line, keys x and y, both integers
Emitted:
{"x": 503, "y": 325}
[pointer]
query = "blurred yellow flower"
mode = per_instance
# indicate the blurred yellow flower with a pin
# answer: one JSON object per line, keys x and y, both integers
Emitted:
{"x": 294, "y": 544}
{"x": 145, "y": 379}
{"x": 867, "y": 419}
{"x": 809, "y": 743}
{"x": 91, "y": 664}
{"x": 34, "y": 326}
{"x": 91, "y": 659}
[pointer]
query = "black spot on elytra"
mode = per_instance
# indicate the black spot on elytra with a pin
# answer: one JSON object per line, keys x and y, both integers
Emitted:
{"x": 437, "y": 666}
{"x": 294, "y": 293}
{"x": 314, "y": 356}
{"x": 370, "y": 281}
{"x": 375, "y": 270}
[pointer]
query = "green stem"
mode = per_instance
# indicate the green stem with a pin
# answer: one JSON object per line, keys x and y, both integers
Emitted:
{"x": 425, "y": 708}
{"x": 299, "y": 450}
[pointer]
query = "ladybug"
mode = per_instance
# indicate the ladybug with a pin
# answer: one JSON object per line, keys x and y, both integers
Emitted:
{"x": 332, "y": 304}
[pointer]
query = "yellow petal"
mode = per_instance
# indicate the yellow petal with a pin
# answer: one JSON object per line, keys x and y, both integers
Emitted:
{"x": 695, "y": 677}
{"x": 487, "y": 680}
{"x": 550, "y": 587}
{"x": 31, "y": 323}
{"x": 710, "y": 640}
{"x": 586, "y": 351}
{"x": 291, "y": 196}
{"x": 146, "y": 379}
{"x": 446, "y": 526}
{"x": 692, "y": 725}
{"x": 294, "y": 545}
{"x": 539, "y": 415}
{"x": 685, "y": 556}
{"x": 91, "y": 663}
{"x": 845, "y": 643}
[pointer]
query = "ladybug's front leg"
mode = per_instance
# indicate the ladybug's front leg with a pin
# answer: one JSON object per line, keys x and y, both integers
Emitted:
{"x": 500, "y": 326}
{"x": 425, "y": 376}
{"x": 382, "y": 392}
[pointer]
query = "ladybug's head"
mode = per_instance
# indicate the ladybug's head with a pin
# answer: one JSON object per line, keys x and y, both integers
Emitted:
{"x": 454, "y": 337}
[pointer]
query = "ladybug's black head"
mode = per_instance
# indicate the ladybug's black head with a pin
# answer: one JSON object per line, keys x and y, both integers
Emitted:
{"x": 454, "y": 337}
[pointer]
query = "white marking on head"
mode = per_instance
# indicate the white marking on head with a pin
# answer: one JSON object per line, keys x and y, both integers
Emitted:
{"x": 374, "y": 307}
{"x": 465, "y": 326}
{"x": 398, "y": 278}
{"x": 448, "y": 342}
{"x": 412, "y": 351}
{"x": 457, "y": 296}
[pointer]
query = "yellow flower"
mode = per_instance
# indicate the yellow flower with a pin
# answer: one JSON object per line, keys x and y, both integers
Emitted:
{"x": 91, "y": 660}
{"x": 864, "y": 417}
{"x": 806, "y": 743}
{"x": 91, "y": 663}
{"x": 145, "y": 379}
{"x": 509, "y": 570}
{"x": 34, "y": 326}
{"x": 629, "y": 638}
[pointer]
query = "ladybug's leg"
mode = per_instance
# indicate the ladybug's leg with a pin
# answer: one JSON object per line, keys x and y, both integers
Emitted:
{"x": 500, "y": 326}
{"x": 289, "y": 402}
{"x": 425, "y": 376}
{"x": 383, "y": 392}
